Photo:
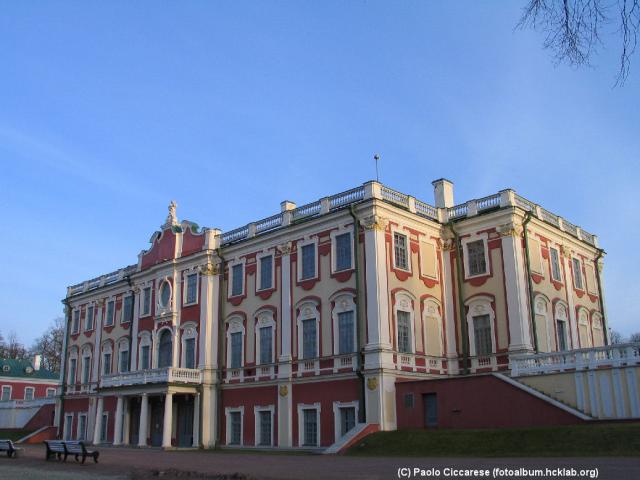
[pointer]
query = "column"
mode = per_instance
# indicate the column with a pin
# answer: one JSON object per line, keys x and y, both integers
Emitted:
{"x": 573, "y": 324}
{"x": 97, "y": 351}
{"x": 127, "y": 421}
{"x": 117, "y": 434}
{"x": 209, "y": 416}
{"x": 134, "y": 329}
{"x": 285, "y": 327}
{"x": 144, "y": 416}
{"x": 196, "y": 420}
{"x": 449, "y": 311}
{"x": 208, "y": 336}
{"x": 517, "y": 293}
{"x": 97, "y": 431}
{"x": 176, "y": 348}
{"x": 168, "y": 420}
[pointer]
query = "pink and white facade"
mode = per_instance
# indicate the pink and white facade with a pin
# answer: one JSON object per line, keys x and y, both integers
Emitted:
{"x": 294, "y": 330}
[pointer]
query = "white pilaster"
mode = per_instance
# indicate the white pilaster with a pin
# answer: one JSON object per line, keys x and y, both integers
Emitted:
{"x": 515, "y": 281}
{"x": 117, "y": 434}
{"x": 285, "y": 349}
{"x": 144, "y": 415}
{"x": 209, "y": 416}
{"x": 196, "y": 420}
{"x": 449, "y": 313}
{"x": 126, "y": 421}
{"x": 285, "y": 415}
{"x": 168, "y": 420}
{"x": 573, "y": 324}
{"x": 97, "y": 431}
{"x": 376, "y": 284}
{"x": 209, "y": 311}
{"x": 134, "y": 329}
{"x": 97, "y": 352}
{"x": 176, "y": 348}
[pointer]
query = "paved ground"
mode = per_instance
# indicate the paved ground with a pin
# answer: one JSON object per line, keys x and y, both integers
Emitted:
{"x": 123, "y": 463}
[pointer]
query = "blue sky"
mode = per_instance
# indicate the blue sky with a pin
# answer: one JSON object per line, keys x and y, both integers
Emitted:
{"x": 111, "y": 109}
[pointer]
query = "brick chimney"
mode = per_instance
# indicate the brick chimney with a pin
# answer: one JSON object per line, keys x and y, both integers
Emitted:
{"x": 37, "y": 360}
{"x": 443, "y": 193}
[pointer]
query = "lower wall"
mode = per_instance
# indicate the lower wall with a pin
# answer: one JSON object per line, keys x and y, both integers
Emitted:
{"x": 476, "y": 402}
{"x": 26, "y": 414}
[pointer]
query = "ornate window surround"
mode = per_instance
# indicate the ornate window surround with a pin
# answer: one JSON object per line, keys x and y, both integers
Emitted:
{"x": 343, "y": 302}
{"x": 480, "y": 305}
{"x": 485, "y": 241}
{"x": 189, "y": 331}
{"x": 264, "y": 318}
{"x": 405, "y": 302}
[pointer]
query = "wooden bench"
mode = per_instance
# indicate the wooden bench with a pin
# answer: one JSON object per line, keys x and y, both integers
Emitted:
{"x": 55, "y": 448}
{"x": 79, "y": 450}
{"x": 7, "y": 446}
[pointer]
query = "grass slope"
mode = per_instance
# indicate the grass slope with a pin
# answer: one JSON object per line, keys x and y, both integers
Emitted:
{"x": 14, "y": 434}
{"x": 621, "y": 439}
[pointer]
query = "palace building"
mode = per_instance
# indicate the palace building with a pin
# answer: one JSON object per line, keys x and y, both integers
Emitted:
{"x": 304, "y": 328}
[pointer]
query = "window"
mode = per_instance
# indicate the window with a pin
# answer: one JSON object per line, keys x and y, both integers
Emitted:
{"x": 308, "y": 261}
{"x": 86, "y": 368}
{"x": 345, "y": 328}
{"x": 82, "y": 427}
{"x": 165, "y": 350}
{"x": 343, "y": 251}
{"x": 430, "y": 401}
{"x": 236, "y": 350}
{"x": 400, "y": 251}
{"x": 6, "y": 393}
{"x": 555, "y": 265}
{"x": 266, "y": 341}
{"x": 192, "y": 288}
{"x": 310, "y": 424}
{"x": 408, "y": 400}
{"x": 111, "y": 306}
{"x": 88, "y": 325}
{"x": 146, "y": 301}
{"x": 577, "y": 274}
{"x": 561, "y": 326}
{"x": 404, "y": 332}
{"x": 347, "y": 419}
{"x": 145, "y": 363}
{"x": 237, "y": 280}
{"x": 309, "y": 338}
{"x": 482, "y": 335}
{"x": 476, "y": 260}
{"x": 165, "y": 294}
{"x": 124, "y": 358}
{"x": 51, "y": 392}
{"x": 264, "y": 417}
{"x": 266, "y": 272}
{"x": 235, "y": 434}
{"x": 127, "y": 309}
{"x": 29, "y": 393}
{"x": 104, "y": 426}
{"x": 106, "y": 363}
{"x": 72, "y": 370}
{"x": 68, "y": 422}
{"x": 190, "y": 353}
{"x": 75, "y": 327}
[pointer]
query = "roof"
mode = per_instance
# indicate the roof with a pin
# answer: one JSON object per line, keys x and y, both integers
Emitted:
{"x": 24, "y": 369}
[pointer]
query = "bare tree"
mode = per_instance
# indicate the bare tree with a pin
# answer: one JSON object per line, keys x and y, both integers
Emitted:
{"x": 615, "y": 337}
{"x": 635, "y": 337}
{"x": 14, "y": 349}
{"x": 573, "y": 28}
{"x": 49, "y": 345}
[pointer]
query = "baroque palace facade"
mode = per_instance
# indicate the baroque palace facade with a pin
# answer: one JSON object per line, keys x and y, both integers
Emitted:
{"x": 294, "y": 330}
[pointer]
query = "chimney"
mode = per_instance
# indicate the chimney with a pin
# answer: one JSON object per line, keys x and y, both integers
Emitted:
{"x": 443, "y": 193}
{"x": 287, "y": 205}
{"x": 37, "y": 359}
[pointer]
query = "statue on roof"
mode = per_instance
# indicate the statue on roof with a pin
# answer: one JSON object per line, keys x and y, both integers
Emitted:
{"x": 172, "y": 219}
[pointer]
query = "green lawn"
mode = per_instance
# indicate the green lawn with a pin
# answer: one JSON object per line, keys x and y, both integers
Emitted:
{"x": 621, "y": 439}
{"x": 14, "y": 434}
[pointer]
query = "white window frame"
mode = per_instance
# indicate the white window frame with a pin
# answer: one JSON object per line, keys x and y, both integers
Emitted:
{"x": 46, "y": 393}
{"x": 561, "y": 312}
{"x": 87, "y": 357}
{"x": 33, "y": 393}
{"x": 243, "y": 262}
{"x": 264, "y": 318}
{"x": 478, "y": 306}
{"x": 485, "y": 241}
{"x": 309, "y": 310}
{"x": 583, "y": 320}
{"x": 334, "y": 255}
{"x": 259, "y": 272}
{"x": 557, "y": 249}
{"x": 227, "y": 414}
{"x": 432, "y": 310}
{"x": 104, "y": 432}
{"x": 161, "y": 309}
{"x": 76, "y": 311}
{"x": 398, "y": 231}
{"x": 157, "y": 334}
{"x": 235, "y": 324}
{"x": 73, "y": 355}
{"x": 10, "y": 387}
{"x": 304, "y": 243}
{"x": 403, "y": 302}
{"x": 343, "y": 302}
{"x": 309, "y": 406}
{"x": 145, "y": 340}
{"x": 186, "y": 275}
{"x": 143, "y": 288}
{"x": 107, "y": 348}
{"x": 336, "y": 416}
{"x": 122, "y": 310}
{"x": 106, "y": 312}
{"x": 123, "y": 345}
{"x": 257, "y": 431}
{"x": 66, "y": 435}
{"x": 189, "y": 331}
{"x": 422, "y": 244}
{"x": 573, "y": 271}
{"x": 86, "y": 427}
{"x": 93, "y": 317}
{"x": 541, "y": 307}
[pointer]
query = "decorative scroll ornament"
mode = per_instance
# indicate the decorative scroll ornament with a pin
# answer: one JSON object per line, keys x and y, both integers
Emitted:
{"x": 284, "y": 390}
{"x": 285, "y": 248}
{"x": 372, "y": 383}
{"x": 566, "y": 251}
{"x": 374, "y": 222}
{"x": 509, "y": 230}
{"x": 448, "y": 244}
{"x": 210, "y": 269}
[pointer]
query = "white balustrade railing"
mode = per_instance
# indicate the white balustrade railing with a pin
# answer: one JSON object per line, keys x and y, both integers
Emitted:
{"x": 581, "y": 359}
{"x": 395, "y": 197}
{"x": 486, "y": 203}
{"x": 346, "y": 198}
{"x": 156, "y": 375}
{"x": 308, "y": 210}
{"x": 457, "y": 211}
{"x": 426, "y": 210}
{"x": 418, "y": 363}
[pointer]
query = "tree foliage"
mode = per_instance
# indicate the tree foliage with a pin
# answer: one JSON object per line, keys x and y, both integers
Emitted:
{"x": 50, "y": 344}
{"x": 574, "y": 28}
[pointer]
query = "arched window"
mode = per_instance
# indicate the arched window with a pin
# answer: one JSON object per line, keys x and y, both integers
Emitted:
{"x": 544, "y": 329}
{"x": 86, "y": 365}
{"x": 405, "y": 325}
{"x": 235, "y": 342}
{"x": 308, "y": 330}
{"x": 73, "y": 365}
{"x": 432, "y": 324}
{"x": 583, "y": 328}
{"x": 107, "y": 358}
{"x": 344, "y": 324}
{"x": 562, "y": 330}
{"x": 265, "y": 337}
{"x": 189, "y": 342}
{"x": 144, "y": 353}
{"x": 164, "y": 296}
{"x": 123, "y": 355}
{"x": 597, "y": 329}
{"x": 165, "y": 349}
{"x": 481, "y": 327}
